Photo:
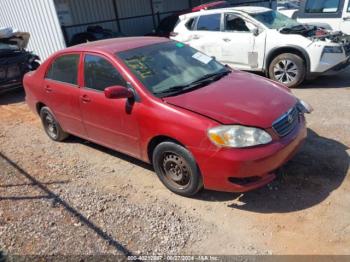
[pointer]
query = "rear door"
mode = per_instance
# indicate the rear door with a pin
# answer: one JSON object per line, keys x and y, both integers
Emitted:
{"x": 110, "y": 122}
{"x": 205, "y": 34}
{"x": 62, "y": 92}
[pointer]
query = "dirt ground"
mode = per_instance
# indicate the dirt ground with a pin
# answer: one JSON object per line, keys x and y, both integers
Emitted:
{"x": 79, "y": 198}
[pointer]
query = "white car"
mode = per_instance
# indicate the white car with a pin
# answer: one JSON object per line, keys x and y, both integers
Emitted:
{"x": 260, "y": 39}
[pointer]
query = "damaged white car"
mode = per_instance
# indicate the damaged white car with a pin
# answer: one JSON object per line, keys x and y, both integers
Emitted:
{"x": 260, "y": 39}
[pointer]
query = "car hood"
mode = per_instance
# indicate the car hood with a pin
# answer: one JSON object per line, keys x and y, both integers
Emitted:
{"x": 239, "y": 98}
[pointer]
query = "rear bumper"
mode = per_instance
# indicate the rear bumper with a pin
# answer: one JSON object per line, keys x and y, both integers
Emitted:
{"x": 251, "y": 168}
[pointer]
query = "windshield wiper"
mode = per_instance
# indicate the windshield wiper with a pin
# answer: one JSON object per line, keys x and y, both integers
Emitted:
{"x": 204, "y": 80}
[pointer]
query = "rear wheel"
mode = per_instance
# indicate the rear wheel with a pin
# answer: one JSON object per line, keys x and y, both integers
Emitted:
{"x": 51, "y": 126}
{"x": 177, "y": 169}
{"x": 288, "y": 69}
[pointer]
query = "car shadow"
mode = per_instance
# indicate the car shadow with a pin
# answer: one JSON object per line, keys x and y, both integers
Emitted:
{"x": 12, "y": 97}
{"x": 337, "y": 80}
{"x": 318, "y": 169}
{"x": 77, "y": 140}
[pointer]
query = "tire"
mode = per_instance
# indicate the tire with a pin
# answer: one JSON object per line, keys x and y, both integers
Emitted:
{"x": 295, "y": 73}
{"x": 51, "y": 125}
{"x": 177, "y": 169}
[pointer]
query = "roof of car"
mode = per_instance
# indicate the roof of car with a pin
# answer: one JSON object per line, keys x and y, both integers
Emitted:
{"x": 244, "y": 9}
{"x": 115, "y": 45}
{"x": 250, "y": 9}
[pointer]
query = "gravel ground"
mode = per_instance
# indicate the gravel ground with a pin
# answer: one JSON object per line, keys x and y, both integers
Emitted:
{"x": 77, "y": 198}
{"x": 53, "y": 204}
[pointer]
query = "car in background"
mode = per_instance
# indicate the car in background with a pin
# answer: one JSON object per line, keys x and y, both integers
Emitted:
{"x": 329, "y": 14}
{"x": 288, "y": 8}
{"x": 15, "y": 61}
{"x": 168, "y": 104}
{"x": 167, "y": 24}
{"x": 93, "y": 33}
{"x": 263, "y": 40}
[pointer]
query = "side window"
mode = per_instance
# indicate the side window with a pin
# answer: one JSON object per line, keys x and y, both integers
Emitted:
{"x": 65, "y": 69}
{"x": 322, "y": 6}
{"x": 189, "y": 25}
{"x": 209, "y": 22}
{"x": 235, "y": 23}
{"x": 100, "y": 74}
{"x": 349, "y": 7}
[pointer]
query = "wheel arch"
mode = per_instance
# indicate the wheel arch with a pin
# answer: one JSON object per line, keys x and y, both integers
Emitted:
{"x": 39, "y": 106}
{"x": 155, "y": 141}
{"x": 287, "y": 49}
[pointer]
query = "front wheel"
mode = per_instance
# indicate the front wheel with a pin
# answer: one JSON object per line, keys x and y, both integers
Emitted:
{"x": 288, "y": 69}
{"x": 177, "y": 169}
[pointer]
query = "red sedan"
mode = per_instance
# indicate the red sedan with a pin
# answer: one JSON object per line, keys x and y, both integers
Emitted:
{"x": 200, "y": 123}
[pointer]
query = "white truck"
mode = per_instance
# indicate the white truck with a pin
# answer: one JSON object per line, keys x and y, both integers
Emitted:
{"x": 330, "y": 14}
{"x": 264, "y": 40}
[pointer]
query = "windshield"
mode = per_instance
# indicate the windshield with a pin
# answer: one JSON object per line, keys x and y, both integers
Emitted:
{"x": 275, "y": 20}
{"x": 170, "y": 67}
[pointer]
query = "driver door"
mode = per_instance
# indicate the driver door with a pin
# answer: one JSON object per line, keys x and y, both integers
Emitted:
{"x": 109, "y": 122}
{"x": 241, "y": 48}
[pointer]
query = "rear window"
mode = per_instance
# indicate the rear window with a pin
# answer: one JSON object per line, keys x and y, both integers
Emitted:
{"x": 322, "y": 6}
{"x": 190, "y": 24}
{"x": 209, "y": 22}
{"x": 65, "y": 69}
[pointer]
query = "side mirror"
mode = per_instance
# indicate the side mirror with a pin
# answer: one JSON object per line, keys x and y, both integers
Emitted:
{"x": 118, "y": 92}
{"x": 255, "y": 31}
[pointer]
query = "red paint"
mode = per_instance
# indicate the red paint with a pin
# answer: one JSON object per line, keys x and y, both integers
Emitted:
{"x": 129, "y": 127}
{"x": 213, "y": 5}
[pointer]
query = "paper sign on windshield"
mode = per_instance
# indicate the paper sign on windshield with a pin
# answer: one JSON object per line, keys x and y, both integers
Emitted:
{"x": 202, "y": 58}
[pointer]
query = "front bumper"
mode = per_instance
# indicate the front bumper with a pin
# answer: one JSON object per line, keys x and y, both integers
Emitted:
{"x": 252, "y": 167}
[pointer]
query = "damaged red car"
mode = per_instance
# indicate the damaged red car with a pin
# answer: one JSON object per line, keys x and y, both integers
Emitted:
{"x": 200, "y": 123}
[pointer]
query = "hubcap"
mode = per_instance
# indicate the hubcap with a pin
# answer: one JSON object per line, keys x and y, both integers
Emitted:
{"x": 176, "y": 170}
{"x": 286, "y": 71}
{"x": 50, "y": 125}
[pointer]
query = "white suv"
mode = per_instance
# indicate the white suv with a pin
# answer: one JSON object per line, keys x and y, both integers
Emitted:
{"x": 260, "y": 39}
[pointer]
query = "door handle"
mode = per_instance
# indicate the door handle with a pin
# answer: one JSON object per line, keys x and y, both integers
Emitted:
{"x": 48, "y": 89}
{"x": 346, "y": 18}
{"x": 226, "y": 39}
{"x": 85, "y": 99}
{"x": 196, "y": 37}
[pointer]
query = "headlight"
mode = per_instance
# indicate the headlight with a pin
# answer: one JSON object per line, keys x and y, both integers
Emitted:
{"x": 333, "y": 49}
{"x": 304, "y": 107}
{"x": 238, "y": 136}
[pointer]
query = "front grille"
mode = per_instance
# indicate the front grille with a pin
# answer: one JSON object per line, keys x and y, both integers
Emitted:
{"x": 286, "y": 123}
